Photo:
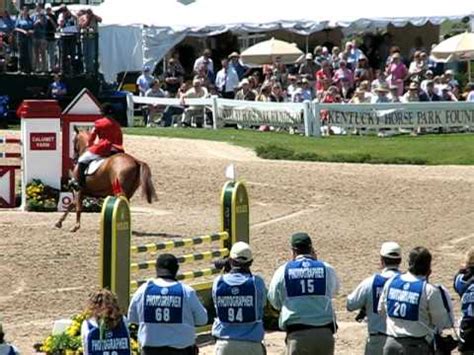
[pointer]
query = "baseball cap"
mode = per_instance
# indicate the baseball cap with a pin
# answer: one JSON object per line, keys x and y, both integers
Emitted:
{"x": 391, "y": 250}
{"x": 241, "y": 251}
{"x": 245, "y": 81}
{"x": 47, "y": 6}
{"x": 309, "y": 56}
{"x": 146, "y": 68}
{"x": 300, "y": 239}
{"x": 166, "y": 266}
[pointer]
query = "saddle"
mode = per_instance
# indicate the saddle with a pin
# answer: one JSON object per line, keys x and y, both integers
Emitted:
{"x": 94, "y": 166}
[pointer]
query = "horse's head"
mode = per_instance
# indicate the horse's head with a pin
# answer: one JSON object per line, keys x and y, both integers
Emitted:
{"x": 80, "y": 142}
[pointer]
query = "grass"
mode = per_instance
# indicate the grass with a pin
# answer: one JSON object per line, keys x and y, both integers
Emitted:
{"x": 447, "y": 149}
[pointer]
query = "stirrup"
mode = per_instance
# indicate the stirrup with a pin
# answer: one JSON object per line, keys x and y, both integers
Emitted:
{"x": 73, "y": 184}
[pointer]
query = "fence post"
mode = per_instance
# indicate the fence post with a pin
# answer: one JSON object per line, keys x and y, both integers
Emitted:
{"x": 307, "y": 118}
{"x": 316, "y": 119}
{"x": 130, "y": 109}
{"x": 215, "y": 111}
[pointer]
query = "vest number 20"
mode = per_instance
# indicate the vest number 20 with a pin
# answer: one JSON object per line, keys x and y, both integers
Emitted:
{"x": 307, "y": 286}
{"x": 234, "y": 316}
{"x": 162, "y": 314}
{"x": 400, "y": 310}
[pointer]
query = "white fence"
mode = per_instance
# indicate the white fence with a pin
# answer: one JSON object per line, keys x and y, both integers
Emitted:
{"x": 308, "y": 117}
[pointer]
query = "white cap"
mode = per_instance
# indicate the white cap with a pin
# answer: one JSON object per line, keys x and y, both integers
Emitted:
{"x": 241, "y": 250}
{"x": 449, "y": 72}
{"x": 391, "y": 250}
{"x": 309, "y": 56}
{"x": 245, "y": 81}
{"x": 48, "y": 6}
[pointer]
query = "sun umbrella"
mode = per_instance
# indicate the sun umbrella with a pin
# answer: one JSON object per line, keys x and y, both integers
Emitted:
{"x": 459, "y": 47}
{"x": 266, "y": 52}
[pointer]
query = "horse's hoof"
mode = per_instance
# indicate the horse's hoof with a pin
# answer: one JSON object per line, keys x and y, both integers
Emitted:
{"x": 58, "y": 225}
{"x": 75, "y": 228}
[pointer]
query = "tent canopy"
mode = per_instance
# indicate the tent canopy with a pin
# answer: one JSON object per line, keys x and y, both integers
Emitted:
{"x": 144, "y": 32}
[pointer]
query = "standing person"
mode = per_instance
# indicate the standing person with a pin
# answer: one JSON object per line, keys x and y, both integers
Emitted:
{"x": 464, "y": 287}
{"x": 24, "y": 29}
{"x": 89, "y": 26}
{"x": 227, "y": 80}
{"x": 470, "y": 92}
{"x": 51, "y": 25}
{"x": 414, "y": 308}
{"x": 205, "y": 60}
{"x": 239, "y": 298}
{"x": 167, "y": 312}
{"x": 67, "y": 24}
{"x": 173, "y": 77}
{"x": 5, "y": 348}
{"x": 237, "y": 64}
{"x": 39, "y": 42}
{"x": 397, "y": 72}
{"x": 302, "y": 289}
{"x": 106, "y": 329}
{"x": 367, "y": 294}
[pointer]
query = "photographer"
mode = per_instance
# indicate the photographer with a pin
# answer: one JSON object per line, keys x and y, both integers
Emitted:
{"x": 239, "y": 298}
{"x": 464, "y": 286}
{"x": 366, "y": 297}
{"x": 415, "y": 308}
{"x": 89, "y": 27}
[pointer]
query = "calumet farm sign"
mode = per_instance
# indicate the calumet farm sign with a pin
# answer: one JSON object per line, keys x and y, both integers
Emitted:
{"x": 397, "y": 116}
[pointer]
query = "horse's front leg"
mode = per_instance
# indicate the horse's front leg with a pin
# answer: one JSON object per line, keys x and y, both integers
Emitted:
{"x": 78, "y": 204}
{"x": 59, "y": 223}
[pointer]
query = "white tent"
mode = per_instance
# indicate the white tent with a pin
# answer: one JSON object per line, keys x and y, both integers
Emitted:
{"x": 142, "y": 32}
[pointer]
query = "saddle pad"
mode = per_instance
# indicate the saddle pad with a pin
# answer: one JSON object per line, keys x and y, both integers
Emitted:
{"x": 93, "y": 166}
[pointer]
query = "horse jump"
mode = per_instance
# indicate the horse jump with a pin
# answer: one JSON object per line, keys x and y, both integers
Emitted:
{"x": 116, "y": 248}
{"x": 7, "y": 173}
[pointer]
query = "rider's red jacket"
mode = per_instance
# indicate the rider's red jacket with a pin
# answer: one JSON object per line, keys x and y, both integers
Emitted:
{"x": 110, "y": 137}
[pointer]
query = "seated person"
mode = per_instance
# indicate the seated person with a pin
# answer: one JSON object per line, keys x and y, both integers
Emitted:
{"x": 154, "y": 110}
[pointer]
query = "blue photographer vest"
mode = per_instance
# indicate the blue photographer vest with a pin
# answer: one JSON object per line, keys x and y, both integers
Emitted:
{"x": 115, "y": 341}
{"x": 305, "y": 277}
{"x": 403, "y": 299}
{"x": 467, "y": 302}
{"x": 163, "y": 305}
{"x": 377, "y": 287}
{"x": 236, "y": 303}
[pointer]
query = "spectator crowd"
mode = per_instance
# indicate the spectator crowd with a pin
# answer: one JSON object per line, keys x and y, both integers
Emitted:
{"x": 46, "y": 40}
{"x": 339, "y": 76}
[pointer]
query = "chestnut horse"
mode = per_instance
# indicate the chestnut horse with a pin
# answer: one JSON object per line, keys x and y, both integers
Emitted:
{"x": 121, "y": 168}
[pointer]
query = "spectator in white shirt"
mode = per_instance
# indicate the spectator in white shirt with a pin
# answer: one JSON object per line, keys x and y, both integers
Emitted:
{"x": 227, "y": 80}
{"x": 206, "y": 60}
{"x": 145, "y": 81}
{"x": 470, "y": 95}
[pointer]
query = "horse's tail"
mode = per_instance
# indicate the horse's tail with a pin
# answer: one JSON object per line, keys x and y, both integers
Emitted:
{"x": 148, "y": 190}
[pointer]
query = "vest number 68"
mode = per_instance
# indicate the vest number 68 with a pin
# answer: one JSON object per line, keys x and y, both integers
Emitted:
{"x": 400, "y": 310}
{"x": 162, "y": 314}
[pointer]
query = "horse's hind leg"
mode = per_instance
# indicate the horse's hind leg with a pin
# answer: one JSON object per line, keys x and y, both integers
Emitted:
{"x": 78, "y": 204}
{"x": 59, "y": 223}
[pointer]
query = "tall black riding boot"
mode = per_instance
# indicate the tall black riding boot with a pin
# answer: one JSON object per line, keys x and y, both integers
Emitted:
{"x": 82, "y": 174}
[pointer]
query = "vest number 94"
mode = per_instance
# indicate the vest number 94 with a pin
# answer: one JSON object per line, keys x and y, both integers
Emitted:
{"x": 307, "y": 286}
{"x": 400, "y": 310}
{"x": 162, "y": 314}
{"x": 235, "y": 315}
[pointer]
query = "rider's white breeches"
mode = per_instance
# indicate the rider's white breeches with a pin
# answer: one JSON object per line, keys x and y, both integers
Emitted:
{"x": 87, "y": 157}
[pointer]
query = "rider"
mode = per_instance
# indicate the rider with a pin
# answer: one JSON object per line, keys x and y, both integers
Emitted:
{"x": 105, "y": 139}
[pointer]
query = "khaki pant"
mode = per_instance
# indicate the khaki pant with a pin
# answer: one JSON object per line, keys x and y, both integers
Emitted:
{"x": 375, "y": 344}
{"x": 406, "y": 346}
{"x": 316, "y": 341}
{"x": 236, "y": 347}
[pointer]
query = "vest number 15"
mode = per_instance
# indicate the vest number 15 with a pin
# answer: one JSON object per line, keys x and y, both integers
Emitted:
{"x": 234, "y": 316}
{"x": 307, "y": 286}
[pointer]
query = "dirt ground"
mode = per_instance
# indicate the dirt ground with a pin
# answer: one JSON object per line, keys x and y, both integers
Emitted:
{"x": 46, "y": 274}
